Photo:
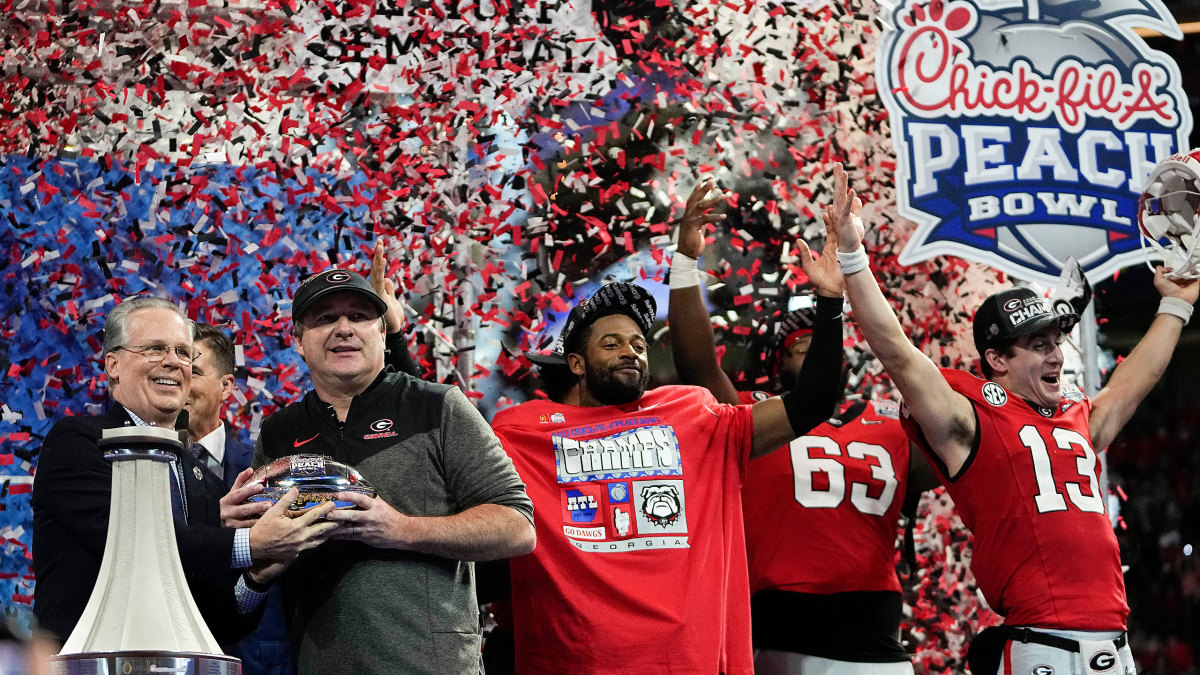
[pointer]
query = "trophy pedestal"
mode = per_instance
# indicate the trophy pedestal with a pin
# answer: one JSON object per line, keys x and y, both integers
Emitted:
{"x": 144, "y": 663}
{"x": 141, "y": 618}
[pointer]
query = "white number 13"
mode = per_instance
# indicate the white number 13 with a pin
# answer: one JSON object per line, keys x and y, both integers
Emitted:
{"x": 1048, "y": 497}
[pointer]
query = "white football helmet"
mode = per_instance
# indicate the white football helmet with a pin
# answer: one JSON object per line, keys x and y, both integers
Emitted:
{"x": 1167, "y": 214}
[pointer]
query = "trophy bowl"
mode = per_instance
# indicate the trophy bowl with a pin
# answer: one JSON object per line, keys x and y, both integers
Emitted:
{"x": 318, "y": 478}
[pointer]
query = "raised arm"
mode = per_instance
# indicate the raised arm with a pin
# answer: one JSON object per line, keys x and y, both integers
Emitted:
{"x": 818, "y": 385}
{"x": 396, "y": 342}
{"x": 692, "y": 343}
{"x": 817, "y": 390}
{"x": 1137, "y": 374}
{"x": 945, "y": 416}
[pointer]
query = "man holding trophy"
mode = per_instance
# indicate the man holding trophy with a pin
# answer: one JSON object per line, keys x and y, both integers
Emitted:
{"x": 396, "y": 591}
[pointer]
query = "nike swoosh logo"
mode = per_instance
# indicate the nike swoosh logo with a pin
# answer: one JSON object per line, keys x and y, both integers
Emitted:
{"x": 297, "y": 443}
{"x": 872, "y": 421}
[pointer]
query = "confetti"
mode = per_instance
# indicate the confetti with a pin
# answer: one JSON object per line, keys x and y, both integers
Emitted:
{"x": 216, "y": 153}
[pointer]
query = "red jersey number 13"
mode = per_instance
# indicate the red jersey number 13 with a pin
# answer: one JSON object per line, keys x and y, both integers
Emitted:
{"x": 1048, "y": 497}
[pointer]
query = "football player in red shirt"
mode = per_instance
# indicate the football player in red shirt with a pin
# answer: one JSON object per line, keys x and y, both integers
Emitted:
{"x": 821, "y": 516}
{"x": 1017, "y": 453}
{"x": 641, "y": 561}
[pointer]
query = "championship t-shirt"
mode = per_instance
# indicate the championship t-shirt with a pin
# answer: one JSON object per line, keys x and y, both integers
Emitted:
{"x": 640, "y": 565}
{"x": 821, "y": 513}
{"x": 1044, "y": 551}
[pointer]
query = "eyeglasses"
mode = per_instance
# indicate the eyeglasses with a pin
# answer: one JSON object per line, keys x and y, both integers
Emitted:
{"x": 156, "y": 353}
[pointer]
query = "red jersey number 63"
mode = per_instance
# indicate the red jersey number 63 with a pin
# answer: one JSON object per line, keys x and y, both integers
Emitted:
{"x": 805, "y": 467}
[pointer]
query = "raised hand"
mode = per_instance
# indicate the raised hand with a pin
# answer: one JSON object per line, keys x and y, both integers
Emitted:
{"x": 1168, "y": 287}
{"x": 841, "y": 220}
{"x": 822, "y": 271}
{"x": 386, "y": 288}
{"x": 697, "y": 215}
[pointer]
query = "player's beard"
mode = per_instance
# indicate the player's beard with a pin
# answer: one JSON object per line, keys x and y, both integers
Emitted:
{"x": 606, "y": 388}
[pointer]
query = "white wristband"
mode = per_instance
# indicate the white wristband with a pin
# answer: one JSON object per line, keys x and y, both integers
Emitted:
{"x": 854, "y": 261}
{"x": 1177, "y": 308}
{"x": 685, "y": 271}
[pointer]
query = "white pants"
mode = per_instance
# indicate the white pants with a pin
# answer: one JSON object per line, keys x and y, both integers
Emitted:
{"x": 771, "y": 662}
{"x": 1097, "y": 656}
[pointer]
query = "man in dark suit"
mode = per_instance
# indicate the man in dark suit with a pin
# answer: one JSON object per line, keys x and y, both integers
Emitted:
{"x": 265, "y": 651}
{"x": 212, "y": 384}
{"x": 148, "y": 353}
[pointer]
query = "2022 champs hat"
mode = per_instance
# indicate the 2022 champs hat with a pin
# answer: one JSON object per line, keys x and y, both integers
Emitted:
{"x": 1015, "y": 312}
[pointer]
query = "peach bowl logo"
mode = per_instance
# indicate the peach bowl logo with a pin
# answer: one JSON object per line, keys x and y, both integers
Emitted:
{"x": 1025, "y": 131}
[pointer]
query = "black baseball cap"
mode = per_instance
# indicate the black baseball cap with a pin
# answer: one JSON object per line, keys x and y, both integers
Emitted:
{"x": 1015, "y": 312}
{"x": 331, "y": 281}
{"x": 618, "y": 297}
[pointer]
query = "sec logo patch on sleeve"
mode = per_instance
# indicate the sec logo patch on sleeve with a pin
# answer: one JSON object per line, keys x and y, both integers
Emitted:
{"x": 994, "y": 394}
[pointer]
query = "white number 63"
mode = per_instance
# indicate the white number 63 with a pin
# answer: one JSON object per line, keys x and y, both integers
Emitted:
{"x": 805, "y": 466}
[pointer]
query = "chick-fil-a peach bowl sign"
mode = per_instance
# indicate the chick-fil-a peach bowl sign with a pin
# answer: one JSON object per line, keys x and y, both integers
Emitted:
{"x": 1025, "y": 131}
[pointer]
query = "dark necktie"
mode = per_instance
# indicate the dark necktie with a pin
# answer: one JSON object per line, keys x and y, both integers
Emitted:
{"x": 178, "y": 506}
{"x": 206, "y": 460}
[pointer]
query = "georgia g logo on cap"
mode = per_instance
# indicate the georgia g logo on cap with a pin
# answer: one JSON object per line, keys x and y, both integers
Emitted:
{"x": 337, "y": 277}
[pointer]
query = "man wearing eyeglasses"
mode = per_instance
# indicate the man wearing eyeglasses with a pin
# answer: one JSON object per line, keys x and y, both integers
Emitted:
{"x": 148, "y": 355}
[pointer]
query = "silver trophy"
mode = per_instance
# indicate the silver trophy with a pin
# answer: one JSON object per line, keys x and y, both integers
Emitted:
{"x": 141, "y": 618}
{"x": 318, "y": 479}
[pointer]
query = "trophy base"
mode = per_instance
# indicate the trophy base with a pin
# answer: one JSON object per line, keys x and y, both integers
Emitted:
{"x": 144, "y": 663}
